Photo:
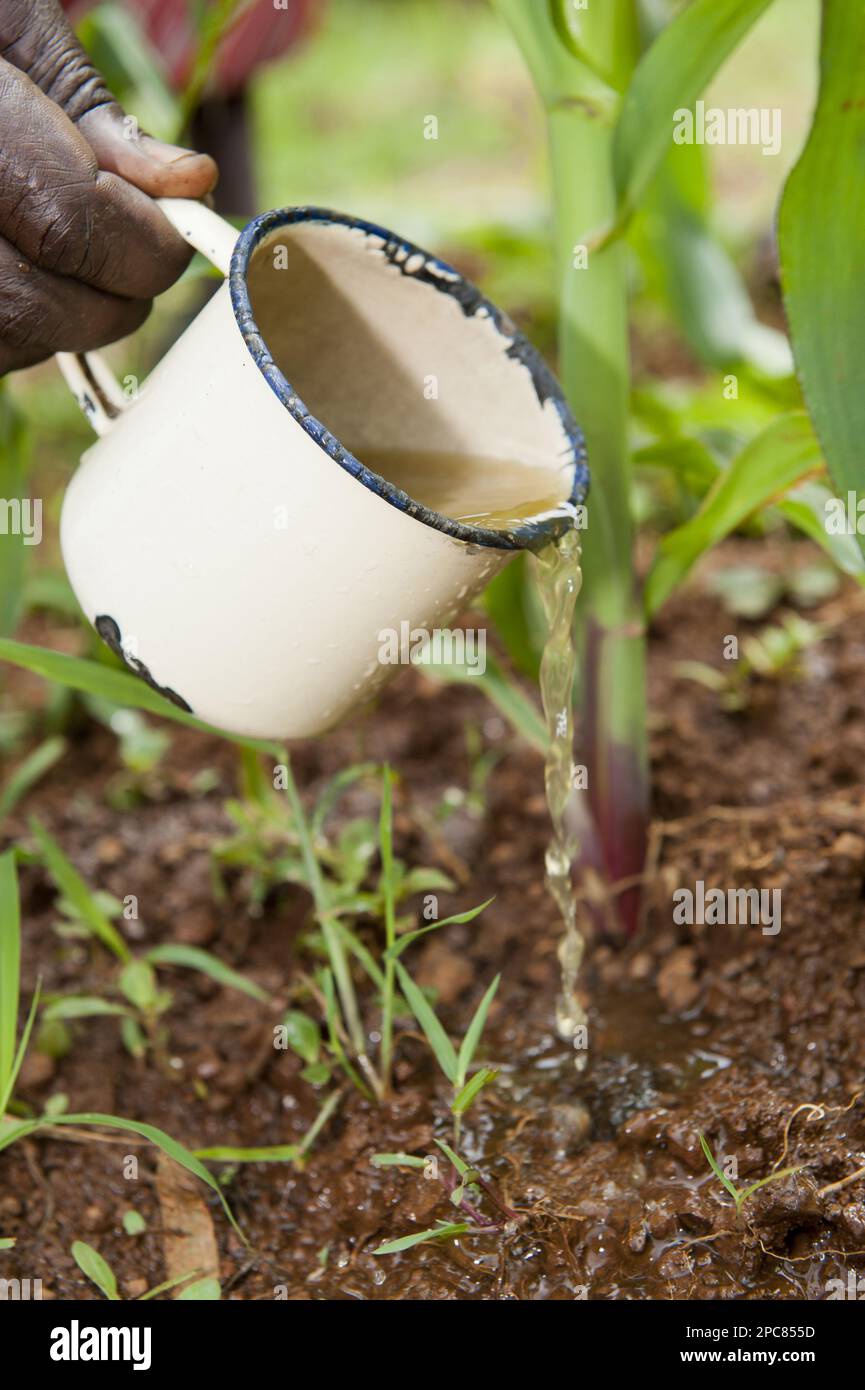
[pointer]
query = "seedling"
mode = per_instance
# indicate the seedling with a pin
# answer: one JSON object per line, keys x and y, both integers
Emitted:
{"x": 99, "y": 1272}
{"x": 466, "y": 1188}
{"x": 740, "y": 1195}
{"x": 143, "y": 1003}
{"x": 773, "y": 654}
{"x": 346, "y": 1037}
{"x": 455, "y": 1064}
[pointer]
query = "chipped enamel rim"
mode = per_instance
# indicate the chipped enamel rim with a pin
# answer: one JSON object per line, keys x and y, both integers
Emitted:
{"x": 418, "y": 264}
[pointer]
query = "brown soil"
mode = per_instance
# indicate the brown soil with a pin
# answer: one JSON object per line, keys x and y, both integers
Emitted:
{"x": 719, "y": 1030}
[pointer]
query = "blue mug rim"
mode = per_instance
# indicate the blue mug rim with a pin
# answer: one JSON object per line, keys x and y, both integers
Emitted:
{"x": 416, "y": 263}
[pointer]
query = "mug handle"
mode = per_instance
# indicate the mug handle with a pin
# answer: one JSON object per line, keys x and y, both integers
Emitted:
{"x": 87, "y": 374}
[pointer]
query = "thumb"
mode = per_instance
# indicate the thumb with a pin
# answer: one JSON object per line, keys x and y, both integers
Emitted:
{"x": 163, "y": 171}
{"x": 36, "y": 37}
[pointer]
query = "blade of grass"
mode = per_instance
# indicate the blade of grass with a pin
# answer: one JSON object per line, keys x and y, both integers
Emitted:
{"x": 336, "y": 954}
{"x": 10, "y": 969}
{"x": 449, "y": 1228}
{"x": 718, "y": 1171}
{"x": 397, "y": 1161}
{"x": 83, "y": 1006}
{"x": 457, "y": 919}
{"x": 473, "y": 1036}
{"x": 8, "y": 1090}
{"x": 194, "y": 958}
{"x": 472, "y": 1089}
{"x": 443, "y": 1048}
{"x": 28, "y": 772}
{"x": 73, "y": 887}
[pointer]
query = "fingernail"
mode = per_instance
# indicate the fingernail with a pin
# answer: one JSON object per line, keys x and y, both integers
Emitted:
{"x": 168, "y": 154}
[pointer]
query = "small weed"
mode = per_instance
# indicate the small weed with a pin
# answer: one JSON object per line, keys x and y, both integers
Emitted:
{"x": 466, "y": 1189}
{"x": 336, "y": 876}
{"x": 772, "y": 654}
{"x": 740, "y": 1195}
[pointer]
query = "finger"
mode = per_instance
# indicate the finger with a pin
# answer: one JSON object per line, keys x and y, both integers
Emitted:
{"x": 41, "y": 314}
{"x": 36, "y": 37}
{"x": 65, "y": 214}
{"x": 162, "y": 171}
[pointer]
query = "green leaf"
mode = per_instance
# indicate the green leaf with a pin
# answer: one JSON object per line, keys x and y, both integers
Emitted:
{"x": 822, "y": 250}
{"x": 672, "y": 73}
{"x": 73, "y": 887}
{"x": 273, "y": 1153}
{"x": 704, "y": 287}
{"x": 472, "y": 1088}
{"x": 397, "y": 1161}
{"x": 460, "y": 1164}
{"x": 10, "y": 971}
{"x": 784, "y": 453}
{"x": 747, "y": 1192}
{"x": 120, "y": 686}
{"x": 134, "y": 1223}
{"x": 10, "y": 966}
{"x": 201, "y": 1290}
{"x": 805, "y": 508}
{"x": 443, "y": 1232}
{"x": 320, "y": 1121}
{"x": 132, "y": 1037}
{"x": 687, "y": 459}
{"x": 97, "y": 1269}
{"x": 718, "y": 1171}
{"x": 138, "y": 982}
{"x": 302, "y": 1034}
{"x": 194, "y": 958}
{"x": 28, "y": 772}
{"x": 434, "y": 1033}
{"x": 476, "y": 1028}
{"x": 82, "y": 1006}
{"x": 457, "y": 919}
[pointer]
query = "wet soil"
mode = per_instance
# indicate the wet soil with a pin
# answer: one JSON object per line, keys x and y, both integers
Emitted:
{"x": 754, "y": 1040}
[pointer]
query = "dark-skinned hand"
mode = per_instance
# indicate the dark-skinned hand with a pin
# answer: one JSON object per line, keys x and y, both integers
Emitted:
{"x": 83, "y": 247}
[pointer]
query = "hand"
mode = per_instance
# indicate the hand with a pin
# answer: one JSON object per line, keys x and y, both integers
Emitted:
{"x": 83, "y": 247}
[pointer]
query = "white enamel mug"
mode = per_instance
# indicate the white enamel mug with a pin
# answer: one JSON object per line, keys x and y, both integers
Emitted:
{"x": 220, "y": 535}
